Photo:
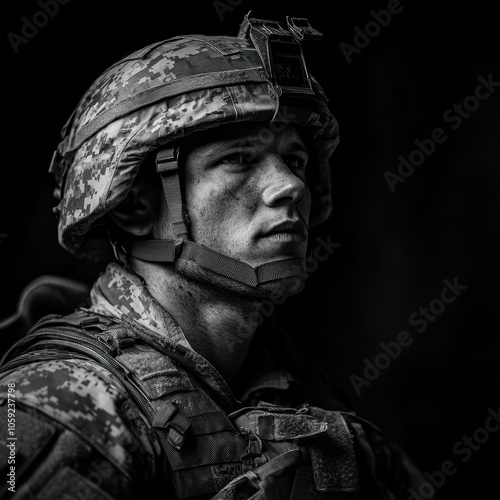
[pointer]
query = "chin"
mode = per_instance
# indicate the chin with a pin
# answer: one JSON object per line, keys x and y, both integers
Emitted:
{"x": 292, "y": 285}
{"x": 285, "y": 287}
{"x": 273, "y": 250}
{"x": 273, "y": 290}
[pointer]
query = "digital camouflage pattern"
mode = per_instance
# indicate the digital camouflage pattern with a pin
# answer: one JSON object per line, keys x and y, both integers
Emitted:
{"x": 112, "y": 401}
{"x": 111, "y": 297}
{"x": 84, "y": 397}
{"x": 160, "y": 93}
{"x": 82, "y": 434}
{"x": 77, "y": 433}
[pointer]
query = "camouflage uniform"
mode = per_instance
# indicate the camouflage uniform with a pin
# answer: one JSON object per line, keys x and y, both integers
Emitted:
{"x": 81, "y": 433}
{"x": 112, "y": 401}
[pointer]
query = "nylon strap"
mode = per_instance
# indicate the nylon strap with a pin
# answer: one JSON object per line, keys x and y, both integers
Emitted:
{"x": 164, "y": 251}
{"x": 168, "y": 168}
{"x": 220, "y": 264}
{"x": 279, "y": 269}
{"x": 155, "y": 250}
{"x": 237, "y": 270}
{"x": 162, "y": 92}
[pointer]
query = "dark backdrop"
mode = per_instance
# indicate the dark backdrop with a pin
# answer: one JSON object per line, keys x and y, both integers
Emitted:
{"x": 396, "y": 248}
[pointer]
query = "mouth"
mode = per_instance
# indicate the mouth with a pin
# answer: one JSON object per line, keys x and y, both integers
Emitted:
{"x": 287, "y": 232}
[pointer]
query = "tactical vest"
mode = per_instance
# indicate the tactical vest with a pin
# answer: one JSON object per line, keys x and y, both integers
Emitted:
{"x": 265, "y": 451}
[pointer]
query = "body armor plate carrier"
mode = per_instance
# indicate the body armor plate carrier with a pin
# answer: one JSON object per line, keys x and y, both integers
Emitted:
{"x": 265, "y": 451}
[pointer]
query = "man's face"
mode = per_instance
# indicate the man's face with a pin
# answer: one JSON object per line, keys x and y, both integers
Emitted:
{"x": 248, "y": 198}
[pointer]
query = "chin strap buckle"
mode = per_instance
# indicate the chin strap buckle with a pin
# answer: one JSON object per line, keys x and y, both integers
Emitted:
{"x": 167, "y": 166}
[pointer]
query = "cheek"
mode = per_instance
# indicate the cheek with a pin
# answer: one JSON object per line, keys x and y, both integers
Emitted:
{"x": 220, "y": 207}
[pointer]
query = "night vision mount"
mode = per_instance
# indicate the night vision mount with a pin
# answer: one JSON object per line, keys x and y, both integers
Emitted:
{"x": 281, "y": 51}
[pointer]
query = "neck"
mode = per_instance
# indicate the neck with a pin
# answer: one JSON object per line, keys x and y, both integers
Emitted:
{"x": 214, "y": 322}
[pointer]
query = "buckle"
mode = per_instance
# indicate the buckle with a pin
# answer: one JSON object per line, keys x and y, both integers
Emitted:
{"x": 169, "y": 420}
{"x": 166, "y": 160}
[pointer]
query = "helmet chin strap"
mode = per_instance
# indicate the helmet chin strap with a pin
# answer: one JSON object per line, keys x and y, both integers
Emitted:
{"x": 169, "y": 250}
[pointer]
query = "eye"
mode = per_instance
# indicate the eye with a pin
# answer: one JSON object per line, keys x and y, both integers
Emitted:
{"x": 236, "y": 162}
{"x": 234, "y": 159}
{"x": 294, "y": 161}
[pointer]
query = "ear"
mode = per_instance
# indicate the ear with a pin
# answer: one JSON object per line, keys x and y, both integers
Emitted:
{"x": 136, "y": 213}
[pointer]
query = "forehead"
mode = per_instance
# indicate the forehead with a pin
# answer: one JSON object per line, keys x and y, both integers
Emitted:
{"x": 277, "y": 135}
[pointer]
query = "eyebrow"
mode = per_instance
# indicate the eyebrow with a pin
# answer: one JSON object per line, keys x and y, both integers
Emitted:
{"x": 296, "y": 147}
{"x": 226, "y": 145}
{"x": 251, "y": 142}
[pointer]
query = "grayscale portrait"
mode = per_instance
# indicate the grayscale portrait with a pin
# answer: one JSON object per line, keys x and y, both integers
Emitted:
{"x": 196, "y": 172}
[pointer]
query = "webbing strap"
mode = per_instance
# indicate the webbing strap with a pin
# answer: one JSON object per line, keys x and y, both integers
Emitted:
{"x": 164, "y": 251}
{"x": 280, "y": 269}
{"x": 155, "y": 250}
{"x": 238, "y": 270}
{"x": 161, "y": 92}
{"x": 220, "y": 264}
{"x": 168, "y": 168}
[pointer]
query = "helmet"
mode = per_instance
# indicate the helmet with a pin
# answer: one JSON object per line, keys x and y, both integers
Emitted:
{"x": 156, "y": 96}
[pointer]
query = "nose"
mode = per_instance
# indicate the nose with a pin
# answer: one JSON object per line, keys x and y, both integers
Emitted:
{"x": 282, "y": 185}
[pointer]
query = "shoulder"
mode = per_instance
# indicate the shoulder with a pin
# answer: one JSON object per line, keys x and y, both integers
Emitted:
{"x": 82, "y": 397}
{"x": 66, "y": 388}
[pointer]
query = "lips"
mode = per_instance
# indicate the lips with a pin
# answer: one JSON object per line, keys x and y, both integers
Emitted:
{"x": 295, "y": 229}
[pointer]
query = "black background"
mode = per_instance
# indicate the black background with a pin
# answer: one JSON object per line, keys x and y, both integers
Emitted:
{"x": 396, "y": 248}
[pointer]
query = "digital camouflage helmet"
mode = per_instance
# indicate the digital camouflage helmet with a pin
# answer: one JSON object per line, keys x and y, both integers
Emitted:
{"x": 152, "y": 99}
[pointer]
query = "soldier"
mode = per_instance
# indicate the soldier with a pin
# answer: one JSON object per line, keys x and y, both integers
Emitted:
{"x": 200, "y": 163}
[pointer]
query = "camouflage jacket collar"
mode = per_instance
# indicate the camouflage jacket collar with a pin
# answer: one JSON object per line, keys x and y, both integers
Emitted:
{"x": 122, "y": 295}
